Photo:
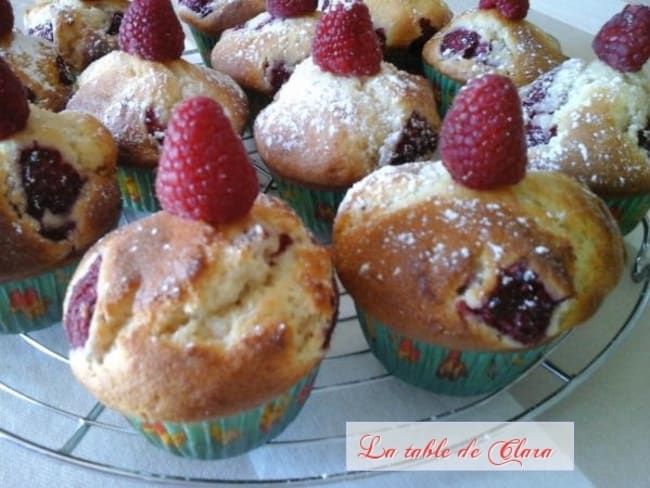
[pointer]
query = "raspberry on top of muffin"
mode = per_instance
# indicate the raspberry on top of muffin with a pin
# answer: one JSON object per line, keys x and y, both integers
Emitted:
{"x": 495, "y": 38}
{"x": 344, "y": 111}
{"x": 210, "y": 307}
{"x": 592, "y": 119}
{"x": 472, "y": 253}
{"x": 134, "y": 90}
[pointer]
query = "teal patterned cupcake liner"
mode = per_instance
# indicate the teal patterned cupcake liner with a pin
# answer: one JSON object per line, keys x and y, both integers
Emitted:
{"x": 34, "y": 303}
{"x": 204, "y": 43}
{"x": 229, "y": 436}
{"x": 628, "y": 211}
{"x": 442, "y": 370}
{"x": 446, "y": 88}
{"x": 316, "y": 208}
{"x": 137, "y": 186}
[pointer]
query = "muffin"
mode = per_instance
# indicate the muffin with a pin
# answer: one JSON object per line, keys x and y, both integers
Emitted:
{"x": 206, "y": 334}
{"x": 405, "y": 26}
{"x": 58, "y": 195}
{"x": 261, "y": 54}
{"x": 133, "y": 92}
{"x": 485, "y": 40}
{"x": 36, "y": 63}
{"x": 81, "y": 30}
{"x": 591, "y": 121}
{"x": 464, "y": 277}
{"x": 337, "y": 119}
{"x": 207, "y": 19}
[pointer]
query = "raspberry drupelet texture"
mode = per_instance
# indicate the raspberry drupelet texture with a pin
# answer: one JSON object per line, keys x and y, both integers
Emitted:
{"x": 482, "y": 140}
{"x": 6, "y": 17}
{"x": 345, "y": 42}
{"x": 290, "y": 8}
{"x": 151, "y": 30}
{"x": 204, "y": 172}
{"x": 14, "y": 109}
{"x": 624, "y": 41}
{"x": 510, "y": 9}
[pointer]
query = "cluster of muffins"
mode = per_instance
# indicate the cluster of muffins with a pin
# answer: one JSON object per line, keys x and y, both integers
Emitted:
{"x": 205, "y": 322}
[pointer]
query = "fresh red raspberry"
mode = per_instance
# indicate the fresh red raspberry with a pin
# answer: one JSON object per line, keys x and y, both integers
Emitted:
{"x": 14, "y": 109}
{"x": 513, "y": 9}
{"x": 151, "y": 30}
{"x": 204, "y": 172}
{"x": 624, "y": 41}
{"x": 290, "y": 8}
{"x": 510, "y": 9}
{"x": 6, "y": 17}
{"x": 345, "y": 42}
{"x": 482, "y": 140}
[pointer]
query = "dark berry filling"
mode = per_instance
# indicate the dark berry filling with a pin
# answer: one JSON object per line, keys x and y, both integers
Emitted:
{"x": 519, "y": 306}
{"x": 116, "y": 21}
{"x": 285, "y": 241}
{"x": 65, "y": 77}
{"x": 81, "y": 306}
{"x": 644, "y": 138}
{"x": 538, "y": 106}
{"x": 464, "y": 43}
{"x": 50, "y": 184}
{"x": 426, "y": 32}
{"x": 201, "y": 7}
{"x": 277, "y": 74}
{"x": 43, "y": 31}
{"x": 153, "y": 125}
{"x": 418, "y": 139}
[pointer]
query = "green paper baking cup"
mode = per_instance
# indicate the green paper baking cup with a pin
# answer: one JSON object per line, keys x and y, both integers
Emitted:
{"x": 628, "y": 211}
{"x": 316, "y": 208}
{"x": 446, "y": 88}
{"x": 137, "y": 186}
{"x": 229, "y": 436}
{"x": 34, "y": 303}
{"x": 442, "y": 370}
{"x": 204, "y": 44}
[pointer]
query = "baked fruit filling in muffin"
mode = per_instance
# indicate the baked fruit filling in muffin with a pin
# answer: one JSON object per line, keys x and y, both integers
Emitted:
{"x": 51, "y": 186}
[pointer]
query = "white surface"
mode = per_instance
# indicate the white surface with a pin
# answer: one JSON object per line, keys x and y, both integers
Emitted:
{"x": 610, "y": 410}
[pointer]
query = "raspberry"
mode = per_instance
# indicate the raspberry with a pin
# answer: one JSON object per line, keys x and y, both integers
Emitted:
{"x": 14, "y": 109}
{"x": 151, "y": 30}
{"x": 510, "y": 9}
{"x": 624, "y": 41}
{"x": 204, "y": 172}
{"x": 519, "y": 306}
{"x": 81, "y": 306}
{"x": 345, "y": 42}
{"x": 482, "y": 139}
{"x": 6, "y": 17}
{"x": 290, "y": 8}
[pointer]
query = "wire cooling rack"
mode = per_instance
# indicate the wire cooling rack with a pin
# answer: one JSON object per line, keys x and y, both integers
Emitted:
{"x": 43, "y": 409}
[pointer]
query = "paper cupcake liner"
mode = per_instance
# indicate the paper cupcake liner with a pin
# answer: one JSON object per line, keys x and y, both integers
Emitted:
{"x": 316, "y": 208}
{"x": 446, "y": 88}
{"x": 34, "y": 303}
{"x": 232, "y": 435}
{"x": 628, "y": 211}
{"x": 204, "y": 43}
{"x": 442, "y": 370}
{"x": 137, "y": 186}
